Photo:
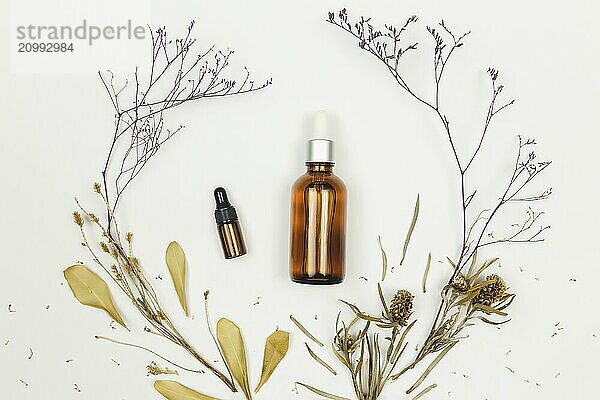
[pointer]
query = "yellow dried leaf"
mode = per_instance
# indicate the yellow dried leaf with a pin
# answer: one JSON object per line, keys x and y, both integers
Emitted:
{"x": 431, "y": 367}
{"x": 384, "y": 260}
{"x": 276, "y": 347}
{"x": 175, "y": 258}
{"x": 425, "y": 391}
{"x": 318, "y": 359}
{"x": 176, "y": 391}
{"x": 91, "y": 290}
{"x": 231, "y": 342}
{"x": 485, "y": 265}
{"x": 490, "y": 310}
{"x": 322, "y": 393}
{"x": 426, "y": 274}
{"x": 411, "y": 228}
{"x": 305, "y": 331}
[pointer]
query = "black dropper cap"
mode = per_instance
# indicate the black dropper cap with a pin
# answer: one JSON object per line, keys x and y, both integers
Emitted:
{"x": 224, "y": 211}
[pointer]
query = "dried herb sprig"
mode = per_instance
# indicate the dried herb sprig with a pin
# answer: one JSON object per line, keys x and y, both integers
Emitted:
{"x": 373, "y": 357}
{"x": 177, "y": 75}
{"x": 128, "y": 275}
{"x": 126, "y": 271}
{"x": 466, "y": 296}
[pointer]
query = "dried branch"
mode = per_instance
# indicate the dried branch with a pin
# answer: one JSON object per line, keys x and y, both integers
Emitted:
{"x": 177, "y": 75}
{"x": 126, "y": 271}
{"x": 466, "y": 296}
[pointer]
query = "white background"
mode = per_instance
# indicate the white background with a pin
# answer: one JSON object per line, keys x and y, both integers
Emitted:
{"x": 54, "y": 135}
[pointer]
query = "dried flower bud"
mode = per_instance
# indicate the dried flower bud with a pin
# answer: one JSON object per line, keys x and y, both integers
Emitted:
{"x": 154, "y": 369}
{"x": 77, "y": 218}
{"x": 135, "y": 263}
{"x": 401, "y": 307}
{"x": 127, "y": 268}
{"x": 97, "y": 187}
{"x": 460, "y": 283}
{"x": 492, "y": 292}
{"x": 344, "y": 342}
{"x": 93, "y": 217}
{"x": 350, "y": 341}
{"x": 116, "y": 273}
{"x": 104, "y": 247}
{"x": 129, "y": 237}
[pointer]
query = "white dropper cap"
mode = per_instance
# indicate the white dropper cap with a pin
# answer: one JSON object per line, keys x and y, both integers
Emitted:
{"x": 320, "y": 149}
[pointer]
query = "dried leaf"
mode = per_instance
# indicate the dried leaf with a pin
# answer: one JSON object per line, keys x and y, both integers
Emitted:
{"x": 473, "y": 262}
{"x": 231, "y": 342}
{"x": 320, "y": 360}
{"x": 452, "y": 263}
{"x": 426, "y": 273}
{"x": 305, "y": 331}
{"x": 321, "y": 393}
{"x": 468, "y": 298}
{"x": 367, "y": 317}
{"x": 425, "y": 391}
{"x": 175, "y": 258}
{"x": 91, "y": 290}
{"x": 477, "y": 288}
{"x": 410, "y": 229}
{"x": 430, "y": 368}
{"x": 489, "y": 310}
{"x": 505, "y": 302}
{"x": 487, "y": 321}
{"x": 276, "y": 347}
{"x": 172, "y": 390}
{"x": 470, "y": 197}
{"x": 339, "y": 357}
{"x": 481, "y": 269}
{"x": 384, "y": 260}
{"x": 383, "y": 302}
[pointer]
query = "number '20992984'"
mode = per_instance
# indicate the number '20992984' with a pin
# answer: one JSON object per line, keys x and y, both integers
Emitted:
{"x": 49, "y": 47}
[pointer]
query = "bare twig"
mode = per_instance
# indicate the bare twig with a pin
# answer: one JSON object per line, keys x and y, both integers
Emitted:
{"x": 140, "y": 130}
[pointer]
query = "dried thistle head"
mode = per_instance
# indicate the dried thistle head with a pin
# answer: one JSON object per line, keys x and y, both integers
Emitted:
{"x": 77, "y": 218}
{"x": 492, "y": 292}
{"x": 460, "y": 283}
{"x": 401, "y": 307}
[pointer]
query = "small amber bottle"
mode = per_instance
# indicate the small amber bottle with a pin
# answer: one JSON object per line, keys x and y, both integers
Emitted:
{"x": 318, "y": 220}
{"x": 228, "y": 226}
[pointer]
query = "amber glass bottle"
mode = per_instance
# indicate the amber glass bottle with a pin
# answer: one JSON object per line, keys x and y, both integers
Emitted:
{"x": 318, "y": 220}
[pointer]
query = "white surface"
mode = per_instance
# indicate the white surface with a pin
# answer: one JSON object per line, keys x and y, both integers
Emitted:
{"x": 55, "y": 129}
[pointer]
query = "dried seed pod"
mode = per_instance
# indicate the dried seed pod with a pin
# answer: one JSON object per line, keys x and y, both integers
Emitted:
{"x": 492, "y": 292}
{"x": 460, "y": 283}
{"x": 401, "y": 307}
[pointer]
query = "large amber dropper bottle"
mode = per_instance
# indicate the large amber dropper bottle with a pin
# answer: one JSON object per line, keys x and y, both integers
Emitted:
{"x": 318, "y": 216}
